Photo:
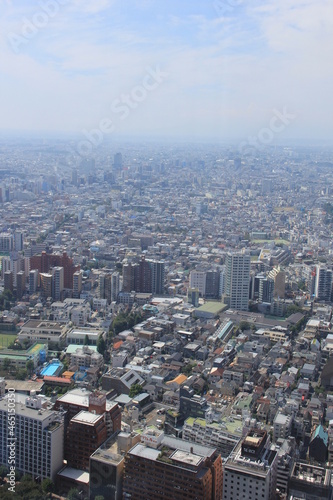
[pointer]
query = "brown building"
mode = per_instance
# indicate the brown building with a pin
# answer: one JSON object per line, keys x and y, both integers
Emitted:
{"x": 163, "y": 467}
{"x": 78, "y": 400}
{"x": 20, "y": 284}
{"x": 143, "y": 277}
{"x": 85, "y": 433}
{"x": 8, "y": 281}
{"x": 45, "y": 262}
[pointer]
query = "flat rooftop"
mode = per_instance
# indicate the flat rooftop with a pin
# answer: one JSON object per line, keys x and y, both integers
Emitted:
{"x": 186, "y": 458}
{"x": 85, "y": 417}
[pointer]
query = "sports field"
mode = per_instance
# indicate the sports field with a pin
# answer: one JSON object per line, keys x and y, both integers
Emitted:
{"x": 6, "y": 339}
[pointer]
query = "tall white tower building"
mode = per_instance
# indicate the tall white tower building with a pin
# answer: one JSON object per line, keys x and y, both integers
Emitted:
{"x": 237, "y": 280}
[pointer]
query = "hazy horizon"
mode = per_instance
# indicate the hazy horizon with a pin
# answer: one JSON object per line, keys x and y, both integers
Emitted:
{"x": 223, "y": 71}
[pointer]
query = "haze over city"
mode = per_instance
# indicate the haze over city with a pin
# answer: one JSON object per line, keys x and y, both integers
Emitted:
{"x": 224, "y": 67}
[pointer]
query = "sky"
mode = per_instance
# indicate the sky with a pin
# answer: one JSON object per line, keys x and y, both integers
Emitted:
{"x": 193, "y": 69}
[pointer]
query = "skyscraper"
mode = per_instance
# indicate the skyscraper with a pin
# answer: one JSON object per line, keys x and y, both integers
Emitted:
{"x": 238, "y": 280}
{"x": 323, "y": 283}
{"x": 57, "y": 283}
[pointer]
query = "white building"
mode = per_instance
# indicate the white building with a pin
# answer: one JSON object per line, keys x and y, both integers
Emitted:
{"x": 85, "y": 357}
{"x": 57, "y": 282}
{"x": 198, "y": 280}
{"x": 251, "y": 470}
{"x": 39, "y": 438}
{"x": 238, "y": 280}
{"x": 218, "y": 435}
{"x": 282, "y": 426}
{"x": 43, "y": 331}
{"x": 78, "y": 336}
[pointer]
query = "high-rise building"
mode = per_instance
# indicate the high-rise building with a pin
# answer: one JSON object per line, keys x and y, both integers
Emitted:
{"x": 57, "y": 283}
{"x": 143, "y": 277}
{"x": 238, "y": 280}
{"x": 20, "y": 284}
{"x": 212, "y": 284}
{"x": 163, "y": 467}
{"x": 46, "y": 284}
{"x": 45, "y": 262}
{"x": 115, "y": 283}
{"x": 33, "y": 281}
{"x": 279, "y": 278}
{"x": 266, "y": 290}
{"x": 6, "y": 242}
{"x": 85, "y": 433}
{"x": 157, "y": 276}
{"x": 198, "y": 280}
{"x": 38, "y": 438}
{"x": 128, "y": 277}
{"x": 107, "y": 465}
{"x": 77, "y": 284}
{"x": 18, "y": 241}
{"x": 251, "y": 469}
{"x": 323, "y": 283}
{"x": 8, "y": 281}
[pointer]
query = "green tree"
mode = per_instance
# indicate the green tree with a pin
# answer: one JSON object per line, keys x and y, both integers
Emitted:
{"x": 21, "y": 374}
{"x": 292, "y": 309}
{"x": 135, "y": 390}
{"x": 6, "y": 364}
{"x": 26, "y": 477}
{"x": 48, "y": 485}
{"x": 86, "y": 340}
{"x": 244, "y": 325}
{"x": 3, "y": 471}
{"x": 74, "y": 494}
{"x": 101, "y": 345}
{"x": 30, "y": 366}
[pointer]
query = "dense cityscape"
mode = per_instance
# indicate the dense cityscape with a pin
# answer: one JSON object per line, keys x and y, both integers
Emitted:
{"x": 166, "y": 321}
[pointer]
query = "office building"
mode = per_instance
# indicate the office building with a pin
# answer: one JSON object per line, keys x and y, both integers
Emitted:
{"x": 39, "y": 437}
{"x": 85, "y": 433}
{"x": 237, "y": 281}
{"x": 251, "y": 470}
{"x": 78, "y": 400}
{"x": 163, "y": 467}
{"x": 107, "y": 465}
{"x": 222, "y": 436}
{"x": 212, "y": 285}
{"x": 310, "y": 482}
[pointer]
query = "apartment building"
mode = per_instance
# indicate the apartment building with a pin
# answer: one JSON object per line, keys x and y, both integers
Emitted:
{"x": 39, "y": 437}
